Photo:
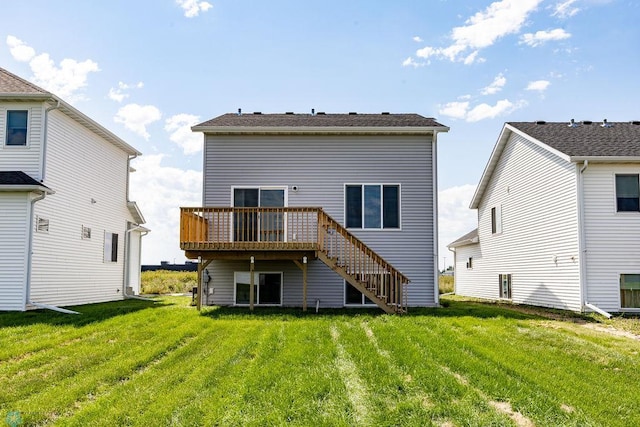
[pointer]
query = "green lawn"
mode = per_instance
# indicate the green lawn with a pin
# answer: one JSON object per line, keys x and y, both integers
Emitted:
{"x": 139, "y": 363}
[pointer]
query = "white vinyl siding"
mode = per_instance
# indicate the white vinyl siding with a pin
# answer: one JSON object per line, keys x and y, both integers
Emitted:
{"x": 537, "y": 193}
{"x": 320, "y": 166}
{"x": 612, "y": 238}
{"x": 14, "y": 238}
{"x": 465, "y": 280}
{"x": 19, "y": 157}
{"x": 82, "y": 168}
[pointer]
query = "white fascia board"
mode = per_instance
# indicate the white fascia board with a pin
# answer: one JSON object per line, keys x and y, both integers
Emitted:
{"x": 135, "y": 212}
{"x": 25, "y": 97}
{"x": 25, "y": 188}
{"x": 605, "y": 159}
{"x": 280, "y": 130}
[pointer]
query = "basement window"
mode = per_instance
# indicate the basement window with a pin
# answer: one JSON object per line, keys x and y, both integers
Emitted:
{"x": 110, "y": 247}
{"x": 86, "y": 233}
{"x": 630, "y": 291}
{"x": 627, "y": 193}
{"x": 267, "y": 288}
{"x": 42, "y": 225}
{"x": 504, "y": 281}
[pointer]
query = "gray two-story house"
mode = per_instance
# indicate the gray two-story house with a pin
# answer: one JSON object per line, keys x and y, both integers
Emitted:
{"x": 327, "y": 210}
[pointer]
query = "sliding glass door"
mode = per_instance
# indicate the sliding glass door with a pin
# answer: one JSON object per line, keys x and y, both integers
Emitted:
{"x": 253, "y": 226}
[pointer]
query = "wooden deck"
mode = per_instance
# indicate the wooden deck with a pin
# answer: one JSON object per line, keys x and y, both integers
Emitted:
{"x": 291, "y": 233}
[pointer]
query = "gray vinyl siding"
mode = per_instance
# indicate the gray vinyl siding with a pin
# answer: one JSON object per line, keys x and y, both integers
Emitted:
{"x": 321, "y": 166}
{"x": 537, "y": 192}
{"x": 14, "y": 237}
{"x": 612, "y": 238}
{"x": 26, "y": 159}
{"x": 81, "y": 166}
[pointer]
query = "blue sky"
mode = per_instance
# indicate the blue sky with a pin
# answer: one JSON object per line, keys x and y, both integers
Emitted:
{"x": 147, "y": 70}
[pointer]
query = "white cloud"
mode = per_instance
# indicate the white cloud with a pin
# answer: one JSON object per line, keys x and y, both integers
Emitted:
{"x": 192, "y": 8}
{"x": 456, "y": 110}
{"x": 20, "y": 51}
{"x": 137, "y": 117}
{"x": 483, "y": 29}
{"x": 565, "y": 9}
{"x": 118, "y": 94}
{"x": 180, "y": 128}
{"x": 159, "y": 192}
{"x": 495, "y": 86}
{"x": 410, "y": 62}
{"x": 539, "y": 85}
{"x": 486, "y": 111}
{"x": 540, "y": 37}
{"x": 417, "y": 39}
{"x": 455, "y": 219}
{"x": 64, "y": 80}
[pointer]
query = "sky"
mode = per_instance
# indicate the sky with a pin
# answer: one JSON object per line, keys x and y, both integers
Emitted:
{"x": 149, "y": 69}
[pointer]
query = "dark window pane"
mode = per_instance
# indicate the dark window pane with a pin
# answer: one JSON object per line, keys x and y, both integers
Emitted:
{"x": 270, "y": 288}
{"x": 372, "y": 206}
{"x": 114, "y": 247}
{"x": 352, "y": 295}
{"x": 17, "y": 127}
{"x": 493, "y": 220}
{"x": 272, "y": 198}
{"x": 391, "y": 206}
{"x": 627, "y": 193}
{"x": 245, "y": 197}
{"x": 245, "y": 223}
{"x": 354, "y": 206}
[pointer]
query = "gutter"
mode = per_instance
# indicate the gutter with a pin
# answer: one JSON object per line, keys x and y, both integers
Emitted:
{"x": 126, "y": 264}
{"x": 434, "y": 171}
{"x": 30, "y": 261}
{"x": 598, "y": 310}
{"x": 45, "y": 138}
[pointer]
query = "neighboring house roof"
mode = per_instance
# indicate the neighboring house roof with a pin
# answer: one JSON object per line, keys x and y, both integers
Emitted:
{"x": 135, "y": 212}
{"x": 573, "y": 142}
{"x": 15, "y": 88}
{"x": 468, "y": 239}
{"x": 20, "y": 181}
{"x": 323, "y": 123}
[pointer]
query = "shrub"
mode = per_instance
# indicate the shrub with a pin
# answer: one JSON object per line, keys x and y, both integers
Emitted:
{"x": 168, "y": 282}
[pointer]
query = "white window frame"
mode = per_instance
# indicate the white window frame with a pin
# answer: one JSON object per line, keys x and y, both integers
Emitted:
{"x": 257, "y": 285}
{"x": 498, "y": 219}
{"x": 615, "y": 193}
{"x": 260, "y": 187}
{"x": 500, "y": 293}
{"x": 109, "y": 259}
{"x": 381, "y": 185}
{"x": 626, "y": 309}
{"x": 8, "y": 109}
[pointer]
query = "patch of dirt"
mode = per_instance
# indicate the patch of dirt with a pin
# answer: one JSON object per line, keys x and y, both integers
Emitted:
{"x": 568, "y": 409}
{"x": 517, "y": 417}
{"x": 612, "y": 331}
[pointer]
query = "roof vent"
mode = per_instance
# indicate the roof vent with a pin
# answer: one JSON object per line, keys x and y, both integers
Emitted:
{"x": 313, "y": 111}
{"x": 239, "y": 111}
{"x": 321, "y": 113}
{"x": 541, "y": 122}
{"x": 573, "y": 124}
{"x": 587, "y": 122}
{"x": 606, "y": 124}
{"x": 257, "y": 112}
{"x": 385, "y": 113}
{"x": 352, "y": 113}
{"x": 289, "y": 112}
{"x": 635, "y": 122}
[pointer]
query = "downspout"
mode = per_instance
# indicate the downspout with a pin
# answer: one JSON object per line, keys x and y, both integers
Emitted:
{"x": 434, "y": 171}
{"x": 30, "y": 260}
{"x": 44, "y": 139}
{"x": 127, "y": 265}
{"x": 455, "y": 263}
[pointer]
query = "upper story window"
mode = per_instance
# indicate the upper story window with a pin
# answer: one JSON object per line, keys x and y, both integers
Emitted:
{"x": 373, "y": 206}
{"x": 496, "y": 220}
{"x": 17, "y": 128}
{"x": 627, "y": 193}
{"x": 110, "y": 247}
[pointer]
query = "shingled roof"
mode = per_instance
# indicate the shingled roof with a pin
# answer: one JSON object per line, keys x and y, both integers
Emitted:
{"x": 468, "y": 239}
{"x": 321, "y": 122}
{"x": 18, "y": 180}
{"x": 10, "y": 84}
{"x": 586, "y": 139}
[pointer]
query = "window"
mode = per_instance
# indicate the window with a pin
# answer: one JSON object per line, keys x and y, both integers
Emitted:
{"x": 267, "y": 288}
{"x": 352, "y": 296}
{"x": 110, "y": 247}
{"x": 470, "y": 263}
{"x": 496, "y": 220}
{"x": 630, "y": 291}
{"x": 627, "y": 193}
{"x": 86, "y": 233}
{"x": 17, "y": 128}
{"x": 42, "y": 225}
{"x": 372, "y": 206}
{"x": 505, "y": 285}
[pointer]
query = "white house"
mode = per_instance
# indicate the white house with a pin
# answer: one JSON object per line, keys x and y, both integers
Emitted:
{"x": 68, "y": 233}
{"x": 333, "y": 210}
{"x": 558, "y": 218}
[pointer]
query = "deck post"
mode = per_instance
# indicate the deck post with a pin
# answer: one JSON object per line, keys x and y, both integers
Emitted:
{"x": 199, "y": 293}
{"x": 304, "y": 283}
{"x": 251, "y": 283}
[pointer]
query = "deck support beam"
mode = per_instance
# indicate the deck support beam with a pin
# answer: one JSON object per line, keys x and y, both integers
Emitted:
{"x": 201, "y": 267}
{"x": 303, "y": 266}
{"x": 251, "y": 283}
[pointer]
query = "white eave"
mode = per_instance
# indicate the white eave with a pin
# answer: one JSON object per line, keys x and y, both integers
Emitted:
{"x": 8, "y": 188}
{"x": 319, "y": 130}
{"x": 135, "y": 212}
{"x": 605, "y": 159}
